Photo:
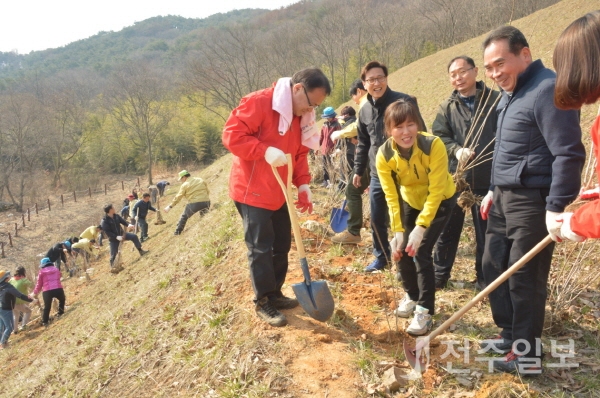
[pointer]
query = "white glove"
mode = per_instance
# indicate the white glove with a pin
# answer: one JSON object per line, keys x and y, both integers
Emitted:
{"x": 167, "y": 209}
{"x": 565, "y": 228}
{"x": 486, "y": 205}
{"x": 414, "y": 240}
{"x": 275, "y": 157}
{"x": 119, "y": 238}
{"x": 335, "y": 135}
{"x": 396, "y": 245}
{"x": 137, "y": 218}
{"x": 553, "y": 226}
{"x": 464, "y": 154}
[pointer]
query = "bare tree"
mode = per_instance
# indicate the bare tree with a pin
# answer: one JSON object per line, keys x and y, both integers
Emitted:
{"x": 139, "y": 104}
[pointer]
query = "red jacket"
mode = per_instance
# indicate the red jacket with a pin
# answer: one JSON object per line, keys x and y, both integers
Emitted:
{"x": 325, "y": 141}
{"x": 251, "y": 128}
{"x": 586, "y": 220}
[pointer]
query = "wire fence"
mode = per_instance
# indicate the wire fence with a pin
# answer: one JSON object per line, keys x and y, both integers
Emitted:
{"x": 11, "y": 225}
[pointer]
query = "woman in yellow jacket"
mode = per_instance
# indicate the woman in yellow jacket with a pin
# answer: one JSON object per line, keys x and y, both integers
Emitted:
{"x": 420, "y": 194}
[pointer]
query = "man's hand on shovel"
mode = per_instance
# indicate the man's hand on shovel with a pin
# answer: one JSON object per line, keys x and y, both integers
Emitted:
{"x": 304, "y": 201}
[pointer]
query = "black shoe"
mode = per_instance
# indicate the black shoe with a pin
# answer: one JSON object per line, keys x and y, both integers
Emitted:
{"x": 441, "y": 284}
{"x": 513, "y": 363}
{"x": 480, "y": 285}
{"x": 177, "y": 233}
{"x": 283, "y": 303}
{"x": 268, "y": 313}
{"x": 497, "y": 344}
{"x": 142, "y": 252}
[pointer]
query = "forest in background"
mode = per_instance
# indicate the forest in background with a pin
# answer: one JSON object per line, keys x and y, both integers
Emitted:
{"x": 156, "y": 94}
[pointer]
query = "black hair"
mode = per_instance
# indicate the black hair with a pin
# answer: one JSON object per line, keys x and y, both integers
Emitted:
{"x": 146, "y": 195}
{"x": 515, "y": 38}
{"x": 348, "y": 110}
{"x": 107, "y": 207}
{"x": 465, "y": 58}
{"x": 312, "y": 78}
{"x": 20, "y": 271}
{"x": 355, "y": 86}
{"x": 99, "y": 227}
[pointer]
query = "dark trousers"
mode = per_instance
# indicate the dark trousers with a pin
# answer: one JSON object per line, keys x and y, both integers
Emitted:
{"x": 114, "y": 245}
{"x": 446, "y": 246}
{"x": 268, "y": 237}
{"x": 48, "y": 295}
{"x": 190, "y": 210}
{"x": 327, "y": 167}
{"x": 354, "y": 202}
{"x": 143, "y": 227}
{"x": 418, "y": 276}
{"x": 379, "y": 221}
{"x": 516, "y": 223}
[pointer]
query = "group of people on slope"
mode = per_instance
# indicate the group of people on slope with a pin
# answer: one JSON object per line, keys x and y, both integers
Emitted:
{"x": 529, "y": 129}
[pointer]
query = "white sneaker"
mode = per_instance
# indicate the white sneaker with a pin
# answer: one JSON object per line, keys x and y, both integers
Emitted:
{"x": 406, "y": 307}
{"x": 421, "y": 323}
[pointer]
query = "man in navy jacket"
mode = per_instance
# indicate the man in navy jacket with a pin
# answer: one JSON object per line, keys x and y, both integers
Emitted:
{"x": 536, "y": 173}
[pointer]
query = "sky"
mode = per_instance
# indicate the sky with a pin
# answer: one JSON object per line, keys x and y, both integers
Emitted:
{"x": 32, "y": 25}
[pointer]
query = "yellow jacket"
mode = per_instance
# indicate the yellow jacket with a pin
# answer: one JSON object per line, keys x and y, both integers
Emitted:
{"x": 194, "y": 189}
{"x": 91, "y": 233}
{"x": 85, "y": 245}
{"x": 423, "y": 180}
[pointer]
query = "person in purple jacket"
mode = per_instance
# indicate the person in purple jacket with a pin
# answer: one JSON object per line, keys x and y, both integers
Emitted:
{"x": 49, "y": 284}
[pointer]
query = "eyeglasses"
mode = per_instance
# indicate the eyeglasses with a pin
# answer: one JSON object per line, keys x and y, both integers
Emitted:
{"x": 373, "y": 80}
{"x": 308, "y": 99}
{"x": 460, "y": 73}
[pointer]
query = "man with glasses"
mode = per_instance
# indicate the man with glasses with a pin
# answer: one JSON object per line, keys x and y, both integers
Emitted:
{"x": 267, "y": 125}
{"x": 468, "y": 113}
{"x": 371, "y": 134}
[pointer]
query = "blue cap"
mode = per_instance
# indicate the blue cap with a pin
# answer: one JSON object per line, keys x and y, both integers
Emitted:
{"x": 67, "y": 244}
{"x": 45, "y": 261}
{"x": 328, "y": 112}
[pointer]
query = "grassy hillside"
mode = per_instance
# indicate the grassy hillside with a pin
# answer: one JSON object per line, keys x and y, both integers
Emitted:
{"x": 180, "y": 321}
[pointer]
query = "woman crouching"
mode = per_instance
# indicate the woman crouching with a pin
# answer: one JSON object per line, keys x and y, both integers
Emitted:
{"x": 420, "y": 194}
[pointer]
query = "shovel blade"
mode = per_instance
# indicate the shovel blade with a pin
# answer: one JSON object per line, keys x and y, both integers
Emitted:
{"x": 339, "y": 219}
{"x": 315, "y": 298}
{"x": 410, "y": 353}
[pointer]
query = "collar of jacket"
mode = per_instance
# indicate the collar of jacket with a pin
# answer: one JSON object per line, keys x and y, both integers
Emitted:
{"x": 480, "y": 88}
{"x": 527, "y": 74}
{"x": 382, "y": 101}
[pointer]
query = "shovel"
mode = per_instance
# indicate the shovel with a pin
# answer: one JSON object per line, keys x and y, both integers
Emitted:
{"x": 314, "y": 297}
{"x": 339, "y": 218}
{"x": 411, "y": 353}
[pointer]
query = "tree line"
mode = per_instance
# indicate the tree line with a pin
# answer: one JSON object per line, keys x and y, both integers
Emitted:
{"x": 167, "y": 108}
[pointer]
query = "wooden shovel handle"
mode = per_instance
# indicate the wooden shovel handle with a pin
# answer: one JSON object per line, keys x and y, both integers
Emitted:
{"x": 485, "y": 292}
{"x": 287, "y": 192}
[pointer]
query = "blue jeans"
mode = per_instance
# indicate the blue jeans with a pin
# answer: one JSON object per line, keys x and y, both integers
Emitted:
{"x": 379, "y": 221}
{"x": 143, "y": 228}
{"x": 6, "y": 325}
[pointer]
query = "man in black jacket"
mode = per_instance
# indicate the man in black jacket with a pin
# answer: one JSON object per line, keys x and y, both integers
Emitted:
{"x": 371, "y": 134}
{"x": 140, "y": 211}
{"x": 58, "y": 253}
{"x": 111, "y": 226}
{"x": 466, "y": 123}
{"x": 536, "y": 173}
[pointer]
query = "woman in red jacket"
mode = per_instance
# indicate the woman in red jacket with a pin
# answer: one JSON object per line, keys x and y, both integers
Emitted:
{"x": 577, "y": 63}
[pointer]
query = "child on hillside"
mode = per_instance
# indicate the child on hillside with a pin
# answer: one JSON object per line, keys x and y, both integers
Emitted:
{"x": 8, "y": 296}
{"x": 49, "y": 284}
{"x": 23, "y": 285}
{"x": 420, "y": 194}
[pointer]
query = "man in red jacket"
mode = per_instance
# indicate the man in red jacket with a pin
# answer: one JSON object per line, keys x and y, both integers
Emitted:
{"x": 267, "y": 125}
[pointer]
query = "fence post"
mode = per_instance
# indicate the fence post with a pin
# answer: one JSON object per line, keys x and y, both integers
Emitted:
{"x": 62, "y": 200}
{"x": 122, "y": 185}
{"x": 28, "y": 214}
{"x": 139, "y": 181}
{"x": 105, "y": 190}
{"x": 16, "y": 230}
{"x": 2, "y": 244}
{"x": 10, "y": 240}
{"x": 36, "y": 209}
{"x": 49, "y": 204}
{"x": 75, "y": 196}
{"x": 90, "y": 191}
{"x": 23, "y": 218}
